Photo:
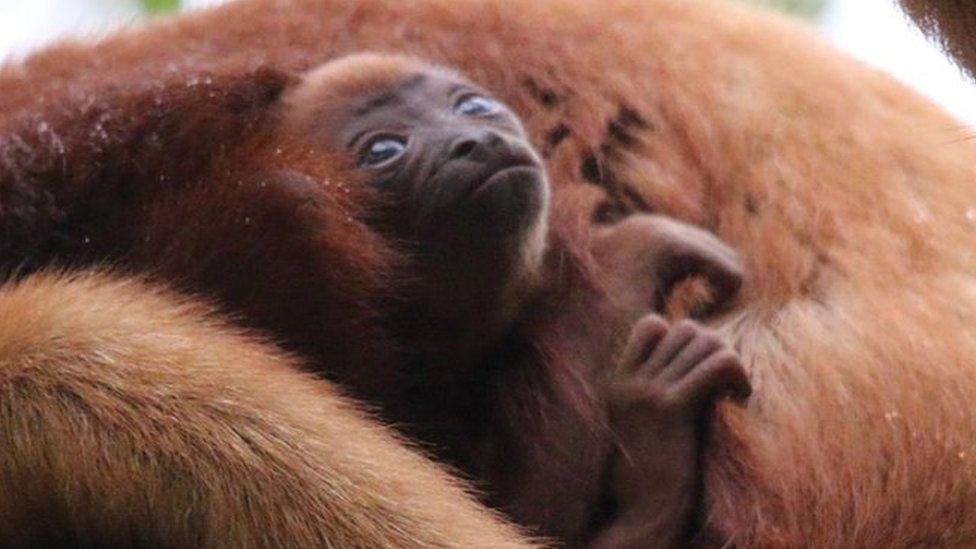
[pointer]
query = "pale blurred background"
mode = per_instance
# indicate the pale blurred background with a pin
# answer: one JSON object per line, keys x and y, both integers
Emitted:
{"x": 872, "y": 30}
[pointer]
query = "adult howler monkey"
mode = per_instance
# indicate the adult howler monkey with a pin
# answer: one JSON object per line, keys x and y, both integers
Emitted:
{"x": 847, "y": 194}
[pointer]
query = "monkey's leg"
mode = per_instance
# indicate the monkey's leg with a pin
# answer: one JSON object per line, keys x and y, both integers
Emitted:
{"x": 132, "y": 417}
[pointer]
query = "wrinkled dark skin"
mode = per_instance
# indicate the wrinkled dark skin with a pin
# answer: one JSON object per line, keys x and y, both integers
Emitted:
{"x": 466, "y": 194}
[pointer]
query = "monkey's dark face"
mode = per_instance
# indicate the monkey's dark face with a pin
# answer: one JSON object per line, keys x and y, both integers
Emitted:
{"x": 456, "y": 163}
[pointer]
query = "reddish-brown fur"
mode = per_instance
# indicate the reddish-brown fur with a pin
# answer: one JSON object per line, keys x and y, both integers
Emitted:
{"x": 85, "y": 182}
{"x": 850, "y": 197}
{"x": 952, "y": 23}
{"x": 246, "y": 451}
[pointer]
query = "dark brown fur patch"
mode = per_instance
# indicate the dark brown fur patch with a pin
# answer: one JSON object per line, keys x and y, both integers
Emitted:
{"x": 545, "y": 96}
{"x": 555, "y": 137}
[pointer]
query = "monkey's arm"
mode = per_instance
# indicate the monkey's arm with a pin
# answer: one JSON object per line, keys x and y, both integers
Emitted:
{"x": 132, "y": 417}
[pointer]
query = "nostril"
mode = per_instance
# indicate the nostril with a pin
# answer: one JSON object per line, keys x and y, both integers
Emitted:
{"x": 463, "y": 148}
{"x": 495, "y": 140}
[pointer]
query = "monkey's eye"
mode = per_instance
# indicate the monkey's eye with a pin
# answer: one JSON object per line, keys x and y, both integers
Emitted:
{"x": 476, "y": 105}
{"x": 381, "y": 150}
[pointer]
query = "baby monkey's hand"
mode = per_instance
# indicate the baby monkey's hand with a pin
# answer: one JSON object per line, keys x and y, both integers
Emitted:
{"x": 658, "y": 403}
{"x": 675, "y": 370}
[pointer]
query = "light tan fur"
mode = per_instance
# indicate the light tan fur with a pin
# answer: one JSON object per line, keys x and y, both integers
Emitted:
{"x": 325, "y": 91}
{"x": 130, "y": 416}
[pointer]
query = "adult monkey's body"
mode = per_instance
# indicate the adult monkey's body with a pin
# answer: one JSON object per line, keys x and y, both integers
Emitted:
{"x": 845, "y": 322}
{"x": 247, "y": 451}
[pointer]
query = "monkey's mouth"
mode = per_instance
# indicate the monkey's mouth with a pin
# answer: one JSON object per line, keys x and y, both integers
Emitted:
{"x": 514, "y": 174}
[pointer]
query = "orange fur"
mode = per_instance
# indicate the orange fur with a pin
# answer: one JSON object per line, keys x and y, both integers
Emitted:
{"x": 246, "y": 451}
{"x": 850, "y": 197}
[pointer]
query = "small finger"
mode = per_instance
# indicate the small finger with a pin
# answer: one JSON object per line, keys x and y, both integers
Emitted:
{"x": 696, "y": 351}
{"x": 719, "y": 375}
{"x": 644, "y": 337}
{"x": 671, "y": 345}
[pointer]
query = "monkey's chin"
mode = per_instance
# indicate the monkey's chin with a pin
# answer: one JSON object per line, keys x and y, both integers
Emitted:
{"x": 509, "y": 202}
{"x": 490, "y": 217}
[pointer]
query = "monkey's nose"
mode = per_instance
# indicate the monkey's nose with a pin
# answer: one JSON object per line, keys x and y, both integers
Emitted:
{"x": 472, "y": 144}
{"x": 463, "y": 148}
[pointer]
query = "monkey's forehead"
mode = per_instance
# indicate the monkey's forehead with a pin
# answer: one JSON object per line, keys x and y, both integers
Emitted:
{"x": 321, "y": 102}
{"x": 363, "y": 74}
